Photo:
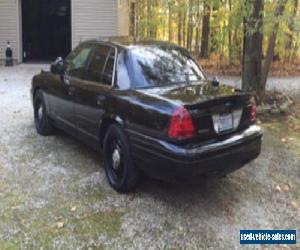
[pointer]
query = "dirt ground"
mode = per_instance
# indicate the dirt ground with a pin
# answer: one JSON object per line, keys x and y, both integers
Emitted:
{"x": 54, "y": 194}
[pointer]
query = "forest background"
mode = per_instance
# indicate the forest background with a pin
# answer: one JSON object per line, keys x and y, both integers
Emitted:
{"x": 251, "y": 38}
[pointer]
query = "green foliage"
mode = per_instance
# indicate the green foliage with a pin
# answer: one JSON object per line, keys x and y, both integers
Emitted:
{"x": 172, "y": 20}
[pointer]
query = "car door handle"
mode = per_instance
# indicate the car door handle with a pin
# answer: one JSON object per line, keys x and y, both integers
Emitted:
{"x": 100, "y": 100}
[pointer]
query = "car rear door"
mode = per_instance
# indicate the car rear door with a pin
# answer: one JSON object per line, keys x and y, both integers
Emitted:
{"x": 92, "y": 92}
{"x": 62, "y": 100}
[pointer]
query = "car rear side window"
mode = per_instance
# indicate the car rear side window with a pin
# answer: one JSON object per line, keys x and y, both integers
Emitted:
{"x": 109, "y": 67}
{"x": 123, "y": 78}
{"x": 96, "y": 66}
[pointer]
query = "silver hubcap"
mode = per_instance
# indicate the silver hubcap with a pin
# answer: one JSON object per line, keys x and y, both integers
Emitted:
{"x": 116, "y": 158}
{"x": 40, "y": 112}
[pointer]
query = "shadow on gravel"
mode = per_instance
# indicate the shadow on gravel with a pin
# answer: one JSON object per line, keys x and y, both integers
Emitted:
{"x": 204, "y": 188}
{"x": 79, "y": 149}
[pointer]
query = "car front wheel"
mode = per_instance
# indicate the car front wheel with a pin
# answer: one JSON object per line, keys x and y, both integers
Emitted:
{"x": 120, "y": 170}
{"x": 42, "y": 123}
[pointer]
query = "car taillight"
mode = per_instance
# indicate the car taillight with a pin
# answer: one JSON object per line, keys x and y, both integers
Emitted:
{"x": 253, "y": 110}
{"x": 181, "y": 125}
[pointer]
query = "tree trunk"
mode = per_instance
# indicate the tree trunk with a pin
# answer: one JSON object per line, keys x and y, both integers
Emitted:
{"x": 197, "y": 46}
{"x": 179, "y": 31}
{"x": 170, "y": 22}
{"x": 190, "y": 26}
{"x": 272, "y": 42}
{"x": 252, "y": 51}
{"x": 205, "y": 31}
{"x": 289, "y": 45}
{"x": 184, "y": 28}
{"x": 230, "y": 50}
{"x": 133, "y": 25}
{"x": 148, "y": 18}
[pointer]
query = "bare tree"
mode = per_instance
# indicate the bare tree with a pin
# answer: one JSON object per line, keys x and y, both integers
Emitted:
{"x": 230, "y": 51}
{"x": 205, "y": 30}
{"x": 179, "y": 13}
{"x": 190, "y": 26}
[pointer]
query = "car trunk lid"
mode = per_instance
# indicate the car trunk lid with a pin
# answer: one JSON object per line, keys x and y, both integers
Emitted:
{"x": 216, "y": 111}
{"x": 222, "y": 116}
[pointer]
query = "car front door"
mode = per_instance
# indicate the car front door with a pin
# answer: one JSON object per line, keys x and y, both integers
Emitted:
{"x": 91, "y": 94}
{"x": 63, "y": 99}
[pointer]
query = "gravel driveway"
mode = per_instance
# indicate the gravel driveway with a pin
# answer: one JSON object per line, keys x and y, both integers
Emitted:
{"x": 54, "y": 194}
{"x": 290, "y": 85}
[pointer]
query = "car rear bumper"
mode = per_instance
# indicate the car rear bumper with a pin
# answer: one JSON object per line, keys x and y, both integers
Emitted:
{"x": 170, "y": 162}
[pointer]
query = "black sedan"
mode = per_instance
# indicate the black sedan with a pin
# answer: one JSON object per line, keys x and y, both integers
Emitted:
{"x": 150, "y": 109}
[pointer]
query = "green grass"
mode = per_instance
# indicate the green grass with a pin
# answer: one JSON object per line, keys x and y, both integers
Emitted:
{"x": 79, "y": 228}
{"x": 33, "y": 228}
{"x": 283, "y": 129}
{"x": 9, "y": 245}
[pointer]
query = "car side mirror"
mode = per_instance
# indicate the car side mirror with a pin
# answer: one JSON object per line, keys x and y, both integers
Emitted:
{"x": 215, "y": 81}
{"x": 57, "y": 67}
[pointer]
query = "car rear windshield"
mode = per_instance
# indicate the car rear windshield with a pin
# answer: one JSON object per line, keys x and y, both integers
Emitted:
{"x": 161, "y": 66}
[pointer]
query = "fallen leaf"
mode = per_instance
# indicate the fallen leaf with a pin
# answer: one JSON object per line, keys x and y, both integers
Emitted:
{"x": 57, "y": 218}
{"x": 131, "y": 197}
{"x": 286, "y": 188}
{"x": 294, "y": 205}
{"x": 296, "y": 127}
{"x": 60, "y": 224}
{"x": 278, "y": 189}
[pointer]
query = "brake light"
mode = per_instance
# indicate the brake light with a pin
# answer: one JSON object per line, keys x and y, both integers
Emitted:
{"x": 181, "y": 125}
{"x": 253, "y": 110}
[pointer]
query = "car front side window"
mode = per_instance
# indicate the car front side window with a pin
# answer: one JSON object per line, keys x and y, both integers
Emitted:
{"x": 76, "y": 61}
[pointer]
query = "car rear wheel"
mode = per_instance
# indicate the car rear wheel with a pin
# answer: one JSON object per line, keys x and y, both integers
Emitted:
{"x": 120, "y": 170}
{"x": 42, "y": 122}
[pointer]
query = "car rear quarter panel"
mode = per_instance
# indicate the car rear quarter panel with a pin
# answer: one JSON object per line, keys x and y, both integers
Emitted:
{"x": 143, "y": 114}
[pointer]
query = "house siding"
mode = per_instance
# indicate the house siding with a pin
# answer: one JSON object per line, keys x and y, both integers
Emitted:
{"x": 123, "y": 17}
{"x": 90, "y": 19}
{"x": 93, "y": 18}
{"x": 9, "y": 27}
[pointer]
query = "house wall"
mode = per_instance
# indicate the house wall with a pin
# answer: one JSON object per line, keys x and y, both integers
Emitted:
{"x": 10, "y": 26}
{"x": 123, "y": 17}
{"x": 93, "y": 18}
{"x": 90, "y": 19}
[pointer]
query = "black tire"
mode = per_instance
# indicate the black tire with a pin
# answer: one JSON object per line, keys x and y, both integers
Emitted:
{"x": 42, "y": 122}
{"x": 121, "y": 173}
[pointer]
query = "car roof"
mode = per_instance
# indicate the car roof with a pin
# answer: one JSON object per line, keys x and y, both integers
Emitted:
{"x": 129, "y": 42}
